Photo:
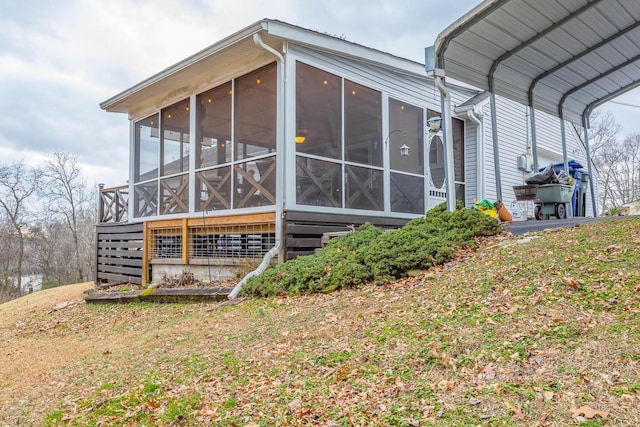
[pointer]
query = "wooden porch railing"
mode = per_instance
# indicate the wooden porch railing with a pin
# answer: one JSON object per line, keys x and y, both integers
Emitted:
{"x": 113, "y": 204}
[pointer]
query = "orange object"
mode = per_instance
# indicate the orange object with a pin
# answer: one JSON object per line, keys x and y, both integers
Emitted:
{"x": 504, "y": 214}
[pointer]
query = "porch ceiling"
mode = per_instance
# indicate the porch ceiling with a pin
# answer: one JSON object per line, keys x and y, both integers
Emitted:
{"x": 567, "y": 56}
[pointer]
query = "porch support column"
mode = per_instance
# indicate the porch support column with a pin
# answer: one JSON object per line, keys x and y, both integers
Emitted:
{"x": 585, "y": 126}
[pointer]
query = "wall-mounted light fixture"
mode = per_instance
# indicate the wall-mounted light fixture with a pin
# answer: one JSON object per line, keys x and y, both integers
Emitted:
{"x": 434, "y": 123}
{"x": 404, "y": 150}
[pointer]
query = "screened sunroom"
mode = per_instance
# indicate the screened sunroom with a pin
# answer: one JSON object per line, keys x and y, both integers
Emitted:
{"x": 274, "y": 137}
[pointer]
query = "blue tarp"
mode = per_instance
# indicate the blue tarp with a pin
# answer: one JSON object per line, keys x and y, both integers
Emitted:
{"x": 573, "y": 165}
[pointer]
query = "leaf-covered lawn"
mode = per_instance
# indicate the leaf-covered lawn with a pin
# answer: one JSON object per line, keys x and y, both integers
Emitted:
{"x": 536, "y": 331}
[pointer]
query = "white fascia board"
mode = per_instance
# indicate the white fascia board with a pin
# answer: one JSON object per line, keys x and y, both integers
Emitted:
{"x": 110, "y": 103}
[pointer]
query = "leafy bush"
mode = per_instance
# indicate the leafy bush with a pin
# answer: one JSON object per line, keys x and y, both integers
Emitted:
{"x": 371, "y": 255}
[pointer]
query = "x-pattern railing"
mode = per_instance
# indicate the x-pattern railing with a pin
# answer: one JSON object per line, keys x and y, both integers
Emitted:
{"x": 172, "y": 199}
{"x": 114, "y": 204}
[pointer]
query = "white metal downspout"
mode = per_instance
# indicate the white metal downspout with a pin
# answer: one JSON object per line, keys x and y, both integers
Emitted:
{"x": 261, "y": 268}
{"x": 476, "y": 118}
{"x": 448, "y": 139}
{"x": 280, "y": 154}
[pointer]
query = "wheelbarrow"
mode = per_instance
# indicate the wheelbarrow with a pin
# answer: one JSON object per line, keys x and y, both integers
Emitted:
{"x": 553, "y": 200}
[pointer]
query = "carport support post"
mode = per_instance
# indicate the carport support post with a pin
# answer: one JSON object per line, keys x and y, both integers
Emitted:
{"x": 445, "y": 103}
{"x": 585, "y": 126}
{"x": 496, "y": 154}
{"x": 563, "y": 137}
{"x": 534, "y": 140}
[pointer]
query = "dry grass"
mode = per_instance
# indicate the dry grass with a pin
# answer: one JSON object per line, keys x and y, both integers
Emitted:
{"x": 515, "y": 334}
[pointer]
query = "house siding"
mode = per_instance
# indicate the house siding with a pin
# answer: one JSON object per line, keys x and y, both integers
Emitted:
{"x": 513, "y": 134}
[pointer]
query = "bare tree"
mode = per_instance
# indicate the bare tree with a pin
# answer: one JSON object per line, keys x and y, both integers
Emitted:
{"x": 606, "y": 163}
{"x": 8, "y": 289}
{"x": 606, "y": 154}
{"x": 603, "y": 132}
{"x": 17, "y": 186}
{"x": 68, "y": 200}
{"x": 628, "y": 170}
{"x": 617, "y": 163}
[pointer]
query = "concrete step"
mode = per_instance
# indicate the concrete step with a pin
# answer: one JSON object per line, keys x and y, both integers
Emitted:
{"x": 170, "y": 295}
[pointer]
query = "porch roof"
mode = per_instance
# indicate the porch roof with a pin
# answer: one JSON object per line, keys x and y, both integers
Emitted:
{"x": 238, "y": 51}
{"x": 564, "y": 57}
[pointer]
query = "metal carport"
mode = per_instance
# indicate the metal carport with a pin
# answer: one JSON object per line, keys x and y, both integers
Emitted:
{"x": 563, "y": 57}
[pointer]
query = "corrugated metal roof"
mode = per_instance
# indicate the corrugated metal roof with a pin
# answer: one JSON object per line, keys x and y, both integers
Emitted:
{"x": 574, "y": 53}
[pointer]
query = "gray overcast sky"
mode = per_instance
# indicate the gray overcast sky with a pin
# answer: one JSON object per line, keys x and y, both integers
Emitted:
{"x": 59, "y": 59}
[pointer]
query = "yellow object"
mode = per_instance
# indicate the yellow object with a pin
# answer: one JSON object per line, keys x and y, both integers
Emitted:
{"x": 492, "y": 212}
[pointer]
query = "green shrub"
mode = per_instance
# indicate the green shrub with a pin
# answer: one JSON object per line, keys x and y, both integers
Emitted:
{"x": 371, "y": 255}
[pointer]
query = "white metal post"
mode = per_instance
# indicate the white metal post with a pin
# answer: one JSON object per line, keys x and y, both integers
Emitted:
{"x": 449, "y": 171}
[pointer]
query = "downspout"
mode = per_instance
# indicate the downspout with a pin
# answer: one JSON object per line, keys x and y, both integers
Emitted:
{"x": 476, "y": 118}
{"x": 448, "y": 139}
{"x": 261, "y": 268}
{"x": 257, "y": 39}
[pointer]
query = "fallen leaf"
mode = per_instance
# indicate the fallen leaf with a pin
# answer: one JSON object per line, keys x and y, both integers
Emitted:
{"x": 342, "y": 373}
{"x": 153, "y": 404}
{"x": 517, "y": 410}
{"x": 535, "y": 299}
{"x": 487, "y": 373}
{"x": 548, "y": 395}
{"x": 331, "y": 318}
{"x": 474, "y": 401}
{"x": 588, "y": 412}
{"x": 571, "y": 282}
{"x": 295, "y": 405}
{"x": 252, "y": 424}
